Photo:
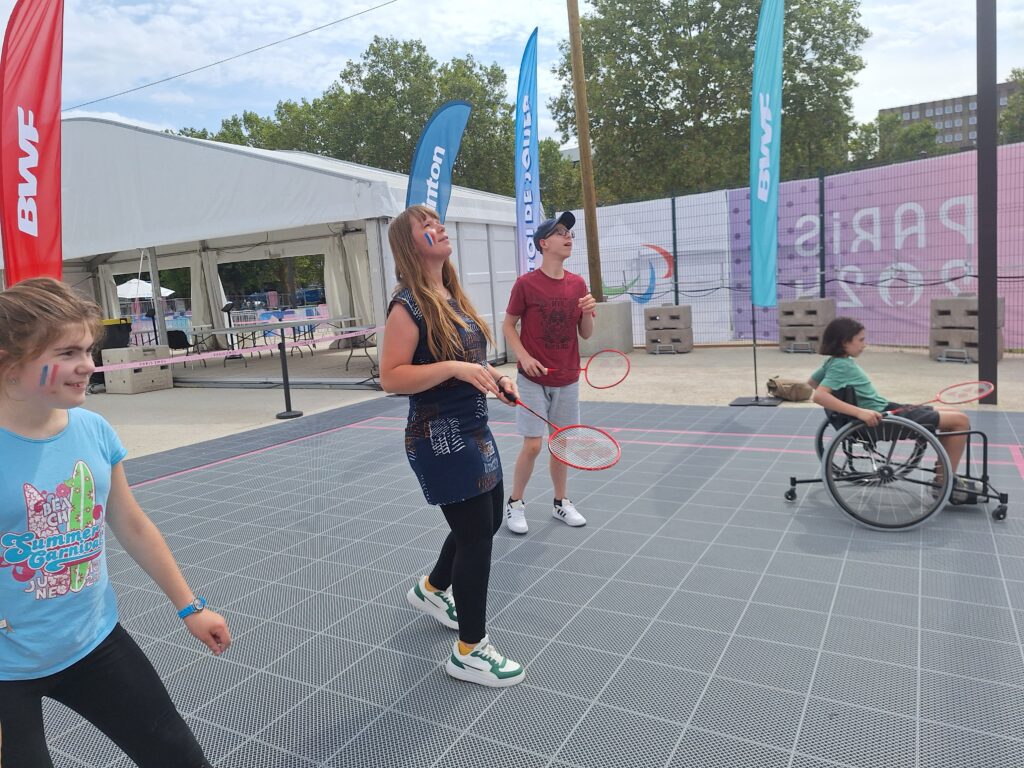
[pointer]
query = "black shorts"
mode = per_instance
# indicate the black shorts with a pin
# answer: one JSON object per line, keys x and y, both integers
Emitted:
{"x": 924, "y": 415}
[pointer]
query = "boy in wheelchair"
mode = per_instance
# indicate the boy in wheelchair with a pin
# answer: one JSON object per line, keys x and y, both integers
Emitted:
{"x": 843, "y": 388}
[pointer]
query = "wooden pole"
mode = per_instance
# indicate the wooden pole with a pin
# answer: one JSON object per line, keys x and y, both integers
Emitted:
{"x": 579, "y": 87}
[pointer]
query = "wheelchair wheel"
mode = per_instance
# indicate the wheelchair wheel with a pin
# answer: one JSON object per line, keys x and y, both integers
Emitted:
{"x": 819, "y": 438}
{"x": 887, "y": 477}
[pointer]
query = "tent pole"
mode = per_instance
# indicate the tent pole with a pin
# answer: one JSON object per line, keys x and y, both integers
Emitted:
{"x": 158, "y": 299}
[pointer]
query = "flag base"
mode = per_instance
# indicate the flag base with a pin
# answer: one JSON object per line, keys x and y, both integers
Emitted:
{"x": 764, "y": 402}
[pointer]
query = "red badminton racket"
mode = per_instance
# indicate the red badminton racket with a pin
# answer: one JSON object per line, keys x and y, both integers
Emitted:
{"x": 604, "y": 369}
{"x": 577, "y": 445}
{"x": 966, "y": 392}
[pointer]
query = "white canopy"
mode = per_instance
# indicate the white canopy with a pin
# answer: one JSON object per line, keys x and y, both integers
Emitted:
{"x": 139, "y": 289}
{"x": 129, "y": 191}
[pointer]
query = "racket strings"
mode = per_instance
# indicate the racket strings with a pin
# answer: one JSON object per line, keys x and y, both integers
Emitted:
{"x": 965, "y": 393}
{"x": 606, "y": 369}
{"x": 584, "y": 447}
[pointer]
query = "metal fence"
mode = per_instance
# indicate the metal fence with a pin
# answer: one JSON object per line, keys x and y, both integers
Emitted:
{"x": 895, "y": 237}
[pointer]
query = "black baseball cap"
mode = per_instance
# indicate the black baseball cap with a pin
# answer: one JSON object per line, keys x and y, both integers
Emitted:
{"x": 543, "y": 232}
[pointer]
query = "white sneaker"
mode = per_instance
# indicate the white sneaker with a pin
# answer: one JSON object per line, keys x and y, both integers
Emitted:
{"x": 439, "y": 604}
{"x": 515, "y": 516}
{"x": 484, "y": 666}
{"x": 568, "y": 514}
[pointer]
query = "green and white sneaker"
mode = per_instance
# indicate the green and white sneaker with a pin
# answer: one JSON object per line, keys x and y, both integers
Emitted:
{"x": 484, "y": 666}
{"x": 439, "y": 604}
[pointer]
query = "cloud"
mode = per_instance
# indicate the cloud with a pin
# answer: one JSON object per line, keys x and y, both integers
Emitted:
{"x": 919, "y": 50}
{"x": 922, "y": 51}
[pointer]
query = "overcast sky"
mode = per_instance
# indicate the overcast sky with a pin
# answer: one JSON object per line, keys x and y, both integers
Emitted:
{"x": 919, "y": 50}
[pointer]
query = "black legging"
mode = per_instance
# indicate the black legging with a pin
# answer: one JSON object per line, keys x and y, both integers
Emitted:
{"x": 116, "y": 689}
{"x": 465, "y": 559}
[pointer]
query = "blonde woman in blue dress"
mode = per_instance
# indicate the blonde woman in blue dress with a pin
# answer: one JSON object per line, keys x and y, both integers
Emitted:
{"x": 435, "y": 351}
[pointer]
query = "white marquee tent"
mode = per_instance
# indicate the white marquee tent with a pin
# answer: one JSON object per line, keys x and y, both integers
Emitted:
{"x": 192, "y": 203}
{"x": 139, "y": 289}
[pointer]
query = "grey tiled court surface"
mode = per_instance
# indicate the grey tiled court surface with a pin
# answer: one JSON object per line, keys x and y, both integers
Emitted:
{"x": 698, "y": 619}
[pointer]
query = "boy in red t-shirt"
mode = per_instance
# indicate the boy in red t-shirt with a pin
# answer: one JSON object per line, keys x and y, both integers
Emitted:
{"x": 554, "y": 306}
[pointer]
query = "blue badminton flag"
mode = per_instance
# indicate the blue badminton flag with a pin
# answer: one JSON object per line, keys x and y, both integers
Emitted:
{"x": 430, "y": 176}
{"x": 527, "y": 162}
{"x": 765, "y": 139}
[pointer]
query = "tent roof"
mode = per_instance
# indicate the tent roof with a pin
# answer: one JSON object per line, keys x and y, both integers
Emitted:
{"x": 126, "y": 187}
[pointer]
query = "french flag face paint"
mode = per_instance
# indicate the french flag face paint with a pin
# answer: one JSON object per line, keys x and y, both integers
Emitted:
{"x": 48, "y": 373}
{"x": 429, "y": 239}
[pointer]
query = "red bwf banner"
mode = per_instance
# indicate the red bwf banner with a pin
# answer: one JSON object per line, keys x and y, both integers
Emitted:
{"x": 30, "y": 70}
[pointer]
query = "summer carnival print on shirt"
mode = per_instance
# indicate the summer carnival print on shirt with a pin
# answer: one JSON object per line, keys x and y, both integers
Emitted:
{"x": 58, "y": 550}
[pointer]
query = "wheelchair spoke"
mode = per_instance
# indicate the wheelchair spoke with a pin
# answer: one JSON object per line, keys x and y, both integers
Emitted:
{"x": 883, "y": 476}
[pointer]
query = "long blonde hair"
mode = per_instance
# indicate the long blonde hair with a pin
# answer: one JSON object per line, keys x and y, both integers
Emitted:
{"x": 442, "y": 321}
{"x": 33, "y": 315}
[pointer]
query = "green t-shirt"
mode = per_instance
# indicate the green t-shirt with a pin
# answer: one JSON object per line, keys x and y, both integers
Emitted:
{"x": 839, "y": 372}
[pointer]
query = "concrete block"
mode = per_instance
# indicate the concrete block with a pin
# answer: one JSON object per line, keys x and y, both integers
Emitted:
{"x": 668, "y": 317}
{"x": 814, "y": 312}
{"x": 962, "y": 312}
{"x": 671, "y": 340}
{"x": 800, "y": 338}
{"x": 613, "y": 329}
{"x": 958, "y": 344}
{"x": 132, "y": 381}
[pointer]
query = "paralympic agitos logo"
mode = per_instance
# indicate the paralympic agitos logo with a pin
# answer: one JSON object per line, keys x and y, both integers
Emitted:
{"x": 644, "y": 267}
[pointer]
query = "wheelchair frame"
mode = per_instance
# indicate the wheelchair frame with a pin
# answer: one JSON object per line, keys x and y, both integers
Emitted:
{"x": 856, "y": 442}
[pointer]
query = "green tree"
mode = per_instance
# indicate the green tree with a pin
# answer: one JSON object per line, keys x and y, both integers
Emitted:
{"x": 560, "y": 188}
{"x": 887, "y": 140}
{"x": 374, "y": 112}
{"x": 1011, "y": 121}
{"x": 669, "y": 86}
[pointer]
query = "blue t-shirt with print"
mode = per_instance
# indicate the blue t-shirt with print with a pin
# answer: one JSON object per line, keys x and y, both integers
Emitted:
{"x": 55, "y": 596}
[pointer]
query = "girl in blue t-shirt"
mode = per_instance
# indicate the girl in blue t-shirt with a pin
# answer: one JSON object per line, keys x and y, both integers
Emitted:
{"x": 62, "y": 483}
{"x": 843, "y": 341}
{"x": 435, "y": 351}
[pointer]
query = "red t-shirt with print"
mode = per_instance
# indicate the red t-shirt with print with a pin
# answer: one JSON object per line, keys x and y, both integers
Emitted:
{"x": 550, "y": 314}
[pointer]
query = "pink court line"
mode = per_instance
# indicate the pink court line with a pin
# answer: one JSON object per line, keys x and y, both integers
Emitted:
{"x": 246, "y": 454}
{"x": 1015, "y": 450}
{"x": 616, "y": 430}
{"x": 1018, "y": 458}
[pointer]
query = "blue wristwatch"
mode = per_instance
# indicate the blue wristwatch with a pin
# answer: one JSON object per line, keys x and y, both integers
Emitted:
{"x": 197, "y": 604}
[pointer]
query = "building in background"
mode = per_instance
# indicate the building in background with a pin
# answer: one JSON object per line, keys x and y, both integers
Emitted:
{"x": 956, "y": 119}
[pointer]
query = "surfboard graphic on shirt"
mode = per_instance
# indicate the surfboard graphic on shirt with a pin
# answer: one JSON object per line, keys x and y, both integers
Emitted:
{"x": 83, "y": 504}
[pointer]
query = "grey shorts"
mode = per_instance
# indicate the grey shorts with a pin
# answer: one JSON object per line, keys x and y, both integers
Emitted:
{"x": 559, "y": 405}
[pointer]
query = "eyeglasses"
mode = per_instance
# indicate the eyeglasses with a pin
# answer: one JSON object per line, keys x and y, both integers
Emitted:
{"x": 563, "y": 232}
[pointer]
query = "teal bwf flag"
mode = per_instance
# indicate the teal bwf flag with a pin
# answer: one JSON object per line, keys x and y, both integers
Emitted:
{"x": 765, "y": 138}
{"x": 430, "y": 178}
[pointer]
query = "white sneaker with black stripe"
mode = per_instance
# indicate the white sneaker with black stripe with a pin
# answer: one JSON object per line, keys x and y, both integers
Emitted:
{"x": 515, "y": 516}
{"x": 567, "y": 513}
{"x": 485, "y": 666}
{"x": 438, "y": 603}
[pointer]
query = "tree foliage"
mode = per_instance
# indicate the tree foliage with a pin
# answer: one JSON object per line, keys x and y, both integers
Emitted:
{"x": 888, "y": 140}
{"x": 374, "y": 112}
{"x": 1011, "y": 120}
{"x": 669, "y": 90}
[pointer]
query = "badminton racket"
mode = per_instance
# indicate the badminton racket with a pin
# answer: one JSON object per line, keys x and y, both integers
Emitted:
{"x": 967, "y": 392}
{"x": 577, "y": 445}
{"x": 604, "y": 369}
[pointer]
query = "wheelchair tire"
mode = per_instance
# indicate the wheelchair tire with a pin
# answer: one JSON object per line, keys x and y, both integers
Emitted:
{"x": 819, "y": 438}
{"x": 886, "y": 477}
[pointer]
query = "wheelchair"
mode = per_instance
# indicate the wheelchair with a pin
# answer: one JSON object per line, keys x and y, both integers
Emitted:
{"x": 896, "y": 475}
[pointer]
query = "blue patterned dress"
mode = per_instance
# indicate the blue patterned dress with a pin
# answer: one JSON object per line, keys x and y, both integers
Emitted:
{"x": 449, "y": 445}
